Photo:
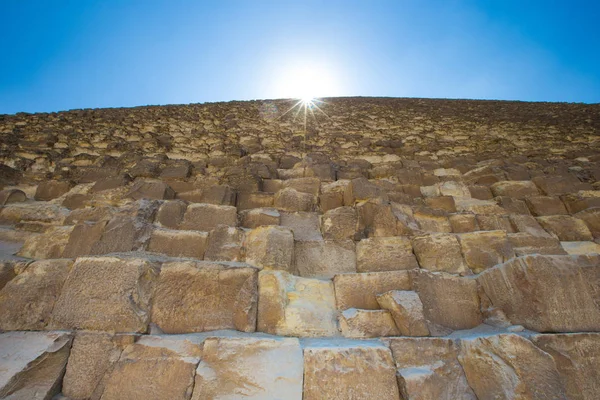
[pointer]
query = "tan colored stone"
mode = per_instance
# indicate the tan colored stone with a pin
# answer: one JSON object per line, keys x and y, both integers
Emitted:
{"x": 385, "y": 254}
{"x": 32, "y": 364}
{"x": 495, "y": 222}
{"x": 145, "y": 189}
{"x": 304, "y": 185}
{"x": 515, "y": 189}
{"x": 49, "y": 190}
{"x": 566, "y": 228}
{"x": 38, "y": 212}
{"x": 304, "y": 225}
{"x": 361, "y": 290}
{"x": 591, "y": 217}
{"x": 325, "y": 258}
{"x": 524, "y": 243}
{"x": 170, "y": 214}
{"x": 178, "y": 243}
{"x": 455, "y": 189}
{"x": 340, "y": 223}
{"x": 545, "y": 205}
{"x": 428, "y": 368}
{"x": 461, "y": 223}
{"x": 445, "y": 203}
{"x": 225, "y": 244}
{"x": 270, "y": 247}
{"x": 294, "y": 306}
{"x": 289, "y": 199}
{"x": 106, "y": 293}
{"x": 528, "y": 224}
{"x": 202, "y": 296}
{"x": 376, "y": 218}
{"x": 509, "y": 367}
{"x": 476, "y": 206}
{"x": 528, "y": 290}
{"x": 431, "y": 220}
{"x": 27, "y": 300}
{"x": 250, "y": 368}
{"x": 361, "y": 189}
{"x": 250, "y": 200}
{"x": 440, "y": 252}
{"x": 205, "y": 217}
{"x": 349, "y": 371}
{"x": 49, "y": 244}
{"x": 483, "y": 250}
{"x": 356, "y": 323}
{"x": 259, "y": 217}
{"x": 9, "y": 196}
{"x": 406, "y": 309}
{"x": 7, "y": 272}
{"x": 82, "y": 239}
{"x": 577, "y": 358}
{"x": 577, "y": 248}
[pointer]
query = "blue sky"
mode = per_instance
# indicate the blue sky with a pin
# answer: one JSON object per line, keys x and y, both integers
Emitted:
{"x": 61, "y": 54}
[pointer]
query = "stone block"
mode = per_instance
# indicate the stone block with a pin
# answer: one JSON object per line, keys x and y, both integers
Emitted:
{"x": 270, "y": 247}
{"x": 252, "y": 368}
{"x": 461, "y": 223}
{"x": 304, "y": 185}
{"x": 272, "y": 185}
{"x": 304, "y": 225}
{"x": 205, "y": 217}
{"x": 385, "y": 254}
{"x": 449, "y": 301}
{"x": 349, "y": 371}
{"x": 203, "y": 296}
{"x": 445, "y": 203}
{"x": 49, "y": 190}
{"x": 259, "y": 217}
{"x": 82, "y": 239}
{"x": 340, "y": 223}
{"x": 440, "y": 252}
{"x": 356, "y": 323}
{"x": 431, "y": 220}
{"x": 225, "y": 244}
{"x": 120, "y": 234}
{"x": 223, "y": 195}
{"x": 476, "y": 206}
{"x": 178, "y": 243}
{"x": 292, "y": 306}
{"x": 557, "y": 185}
{"x": 170, "y": 214}
{"x": 107, "y": 294}
{"x": 577, "y": 248}
{"x": 545, "y": 205}
{"x": 50, "y": 244}
{"x": 289, "y": 199}
{"x": 480, "y": 192}
{"x": 156, "y": 190}
{"x": 455, "y": 189}
{"x": 591, "y": 217}
{"x": 515, "y": 189}
{"x": 361, "y": 290}
{"x": 249, "y": 200}
{"x": 361, "y": 189}
{"x": 376, "y": 218}
{"x": 528, "y": 224}
{"x": 495, "y": 222}
{"x": 512, "y": 206}
{"x": 27, "y": 300}
{"x": 566, "y": 228}
{"x": 528, "y": 289}
{"x": 10, "y": 196}
{"x": 7, "y": 272}
{"x": 325, "y": 258}
{"x": 406, "y": 310}
{"x": 483, "y": 250}
{"x": 525, "y": 243}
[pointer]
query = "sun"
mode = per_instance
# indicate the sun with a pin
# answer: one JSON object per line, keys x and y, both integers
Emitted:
{"x": 305, "y": 81}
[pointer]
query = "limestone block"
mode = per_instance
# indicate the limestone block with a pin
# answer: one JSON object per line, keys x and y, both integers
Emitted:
{"x": 304, "y": 225}
{"x": 106, "y": 293}
{"x": 250, "y": 368}
{"x": 356, "y": 323}
{"x": 82, "y": 239}
{"x": 513, "y": 206}
{"x": 49, "y": 190}
{"x": 528, "y": 224}
{"x": 9, "y": 196}
{"x": 480, "y": 192}
{"x": 432, "y": 191}
{"x": 591, "y": 217}
{"x": 49, "y": 244}
{"x": 154, "y": 368}
{"x": 577, "y": 359}
{"x": 349, "y": 371}
{"x": 509, "y": 366}
{"x": 377, "y": 219}
{"x": 26, "y": 301}
{"x": 222, "y": 195}
{"x": 270, "y": 247}
{"x": 110, "y": 183}
{"x": 178, "y": 243}
{"x": 406, "y": 225}
{"x": 259, "y": 217}
{"x": 525, "y": 243}
{"x": 557, "y": 185}
{"x": 361, "y": 290}
{"x": 448, "y": 300}
{"x": 406, "y": 310}
{"x": 289, "y": 199}
{"x": 170, "y": 214}
{"x": 428, "y": 368}
{"x": 205, "y": 217}
{"x": 461, "y": 223}
{"x": 225, "y": 244}
{"x": 445, "y": 203}
{"x": 528, "y": 289}
{"x": 94, "y": 214}
{"x": 157, "y": 190}
{"x": 515, "y": 189}
{"x": 32, "y": 364}
{"x": 202, "y": 296}
{"x": 249, "y": 200}
{"x": 431, "y": 220}
{"x": 121, "y": 234}
{"x": 340, "y": 223}
{"x": 455, "y": 189}
{"x": 7, "y": 272}
{"x": 495, "y": 222}
{"x": 566, "y": 228}
{"x": 310, "y": 185}
{"x": 576, "y": 248}
{"x": 476, "y": 206}
{"x": 272, "y": 185}
{"x": 385, "y": 254}
{"x": 483, "y": 250}
{"x": 332, "y": 195}
{"x": 545, "y": 205}
{"x": 361, "y": 189}
{"x": 440, "y": 252}
{"x": 292, "y": 306}
{"x": 92, "y": 358}
{"x": 324, "y": 258}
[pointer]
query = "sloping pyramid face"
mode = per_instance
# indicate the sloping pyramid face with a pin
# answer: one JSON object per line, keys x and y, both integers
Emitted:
{"x": 362, "y": 249}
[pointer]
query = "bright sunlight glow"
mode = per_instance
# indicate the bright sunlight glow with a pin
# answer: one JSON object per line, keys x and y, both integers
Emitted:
{"x": 306, "y": 82}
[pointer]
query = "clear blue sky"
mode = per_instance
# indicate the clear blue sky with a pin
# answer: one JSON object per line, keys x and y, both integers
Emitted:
{"x": 57, "y": 55}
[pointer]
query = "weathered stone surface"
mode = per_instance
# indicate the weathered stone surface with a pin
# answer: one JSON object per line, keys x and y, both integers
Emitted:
{"x": 483, "y": 250}
{"x": 445, "y": 203}
{"x": 431, "y": 220}
{"x": 247, "y": 201}
{"x": 32, "y": 364}
{"x": 304, "y": 225}
{"x": 310, "y": 185}
{"x": 214, "y": 194}
{"x": 448, "y": 300}
{"x": 289, "y": 199}
{"x": 515, "y": 189}
{"x": 250, "y": 368}
{"x": 385, "y": 254}
{"x": 530, "y": 225}
{"x": 7, "y": 272}
{"x": 376, "y": 218}
{"x": 361, "y": 290}
{"x": 154, "y": 368}
{"x": 205, "y": 217}
{"x": 479, "y": 206}
{"x": 440, "y": 252}
{"x": 293, "y": 306}
{"x": 566, "y": 228}
{"x": 349, "y": 371}
{"x": 49, "y": 244}
{"x": 122, "y": 234}
{"x": 82, "y": 239}
{"x": 591, "y": 217}
{"x": 428, "y": 368}
{"x": 361, "y": 189}
{"x": 325, "y": 258}
{"x": 27, "y": 300}
{"x": 557, "y": 185}
{"x": 495, "y": 222}
{"x": 170, "y": 214}
{"x": 259, "y": 217}
{"x": 525, "y": 243}
{"x": 513, "y": 206}
{"x": 455, "y": 189}
{"x": 178, "y": 243}
{"x": 340, "y": 223}
{"x": 545, "y": 205}
{"x": 576, "y": 248}
{"x": 270, "y": 247}
{"x": 9, "y": 196}
{"x": 577, "y": 359}
{"x": 202, "y": 296}
{"x": 356, "y": 323}
{"x": 509, "y": 367}
{"x": 461, "y": 223}
{"x": 528, "y": 290}
{"x": 92, "y": 358}
{"x": 49, "y": 190}
{"x": 106, "y": 293}
{"x": 225, "y": 244}
{"x": 156, "y": 190}
{"x": 406, "y": 309}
